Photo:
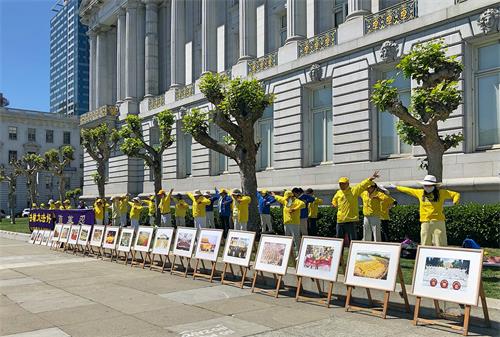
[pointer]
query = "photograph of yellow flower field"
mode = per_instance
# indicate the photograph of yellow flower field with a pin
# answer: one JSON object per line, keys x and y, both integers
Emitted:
{"x": 372, "y": 265}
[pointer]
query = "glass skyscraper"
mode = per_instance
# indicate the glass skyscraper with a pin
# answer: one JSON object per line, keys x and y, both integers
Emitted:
{"x": 69, "y": 60}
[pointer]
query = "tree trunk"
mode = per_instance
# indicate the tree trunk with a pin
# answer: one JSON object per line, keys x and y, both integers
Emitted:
{"x": 101, "y": 179}
{"x": 249, "y": 187}
{"x": 435, "y": 151}
{"x": 12, "y": 202}
{"x": 157, "y": 185}
{"x": 61, "y": 188}
{"x": 32, "y": 188}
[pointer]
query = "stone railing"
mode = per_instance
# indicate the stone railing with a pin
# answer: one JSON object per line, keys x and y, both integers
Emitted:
{"x": 262, "y": 63}
{"x": 156, "y": 102}
{"x": 391, "y": 16}
{"x": 184, "y": 92}
{"x": 317, "y": 43}
{"x": 101, "y": 112}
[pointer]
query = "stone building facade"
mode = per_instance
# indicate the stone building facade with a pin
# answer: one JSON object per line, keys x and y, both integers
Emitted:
{"x": 320, "y": 59}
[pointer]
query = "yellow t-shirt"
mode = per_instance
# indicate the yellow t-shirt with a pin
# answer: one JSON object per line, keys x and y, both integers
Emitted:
{"x": 430, "y": 209}
{"x": 291, "y": 210}
{"x": 151, "y": 207}
{"x": 135, "y": 210}
{"x": 99, "y": 212}
{"x": 313, "y": 207}
{"x": 385, "y": 207}
{"x": 372, "y": 204}
{"x": 181, "y": 208}
{"x": 165, "y": 204}
{"x": 123, "y": 208}
{"x": 243, "y": 204}
{"x": 199, "y": 206}
{"x": 347, "y": 202}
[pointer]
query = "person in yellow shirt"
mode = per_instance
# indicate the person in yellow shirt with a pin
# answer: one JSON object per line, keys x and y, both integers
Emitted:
{"x": 135, "y": 212}
{"x": 291, "y": 215}
{"x": 52, "y": 204}
{"x": 432, "y": 219}
{"x": 181, "y": 208}
{"x": 346, "y": 202}
{"x": 151, "y": 209}
{"x": 313, "y": 212}
{"x": 199, "y": 204}
{"x": 372, "y": 205}
{"x": 164, "y": 206}
{"x": 123, "y": 210}
{"x": 115, "y": 210}
{"x": 34, "y": 206}
{"x": 99, "y": 212}
{"x": 42, "y": 206}
{"x": 385, "y": 207}
{"x": 242, "y": 204}
{"x": 67, "y": 204}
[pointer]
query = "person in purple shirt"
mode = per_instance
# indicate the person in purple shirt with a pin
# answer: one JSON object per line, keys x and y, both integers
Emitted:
{"x": 304, "y": 212}
{"x": 224, "y": 208}
{"x": 209, "y": 209}
{"x": 265, "y": 201}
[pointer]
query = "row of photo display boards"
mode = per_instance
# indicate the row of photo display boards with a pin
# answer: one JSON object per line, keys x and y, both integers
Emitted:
{"x": 440, "y": 273}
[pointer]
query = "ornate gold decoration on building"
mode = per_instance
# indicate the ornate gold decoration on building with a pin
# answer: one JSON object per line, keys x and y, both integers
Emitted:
{"x": 390, "y": 16}
{"x": 156, "y": 102}
{"x": 262, "y": 63}
{"x": 101, "y": 112}
{"x": 184, "y": 92}
{"x": 317, "y": 43}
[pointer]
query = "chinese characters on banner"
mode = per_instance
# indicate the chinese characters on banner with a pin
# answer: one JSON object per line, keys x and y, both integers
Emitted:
{"x": 47, "y": 218}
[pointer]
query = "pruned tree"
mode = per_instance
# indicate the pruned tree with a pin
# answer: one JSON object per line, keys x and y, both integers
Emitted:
{"x": 11, "y": 179}
{"x": 30, "y": 165}
{"x": 135, "y": 145}
{"x": 57, "y": 161}
{"x": 100, "y": 142}
{"x": 431, "y": 102}
{"x": 238, "y": 105}
{"x": 73, "y": 195}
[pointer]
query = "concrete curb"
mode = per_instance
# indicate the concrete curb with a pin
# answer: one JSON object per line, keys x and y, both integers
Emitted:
{"x": 290, "y": 279}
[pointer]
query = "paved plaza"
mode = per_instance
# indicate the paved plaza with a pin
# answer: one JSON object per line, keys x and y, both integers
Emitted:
{"x": 45, "y": 293}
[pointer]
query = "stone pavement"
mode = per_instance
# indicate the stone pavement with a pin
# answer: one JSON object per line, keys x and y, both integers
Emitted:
{"x": 51, "y": 294}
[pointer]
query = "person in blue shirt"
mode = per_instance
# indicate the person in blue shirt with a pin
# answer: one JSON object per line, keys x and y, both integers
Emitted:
{"x": 265, "y": 201}
{"x": 304, "y": 212}
{"x": 224, "y": 206}
{"x": 209, "y": 209}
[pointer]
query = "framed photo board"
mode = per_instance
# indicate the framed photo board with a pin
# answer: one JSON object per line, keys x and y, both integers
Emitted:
{"x": 57, "y": 232}
{"x": 110, "y": 237}
{"x": 33, "y": 236}
{"x": 64, "y": 233}
{"x": 45, "y": 237}
{"x": 373, "y": 265}
{"x": 84, "y": 236}
{"x": 448, "y": 274}
{"x": 184, "y": 241}
{"x": 39, "y": 237}
{"x": 208, "y": 244}
{"x": 143, "y": 239}
{"x": 273, "y": 254}
{"x": 238, "y": 248}
{"x": 73, "y": 234}
{"x": 319, "y": 258}
{"x": 163, "y": 240}
{"x": 97, "y": 236}
{"x": 125, "y": 242}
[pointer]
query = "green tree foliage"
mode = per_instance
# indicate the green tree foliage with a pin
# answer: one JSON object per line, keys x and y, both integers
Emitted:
{"x": 56, "y": 162}
{"x": 134, "y": 145}
{"x": 11, "y": 179}
{"x": 100, "y": 142}
{"x": 431, "y": 102}
{"x": 237, "y": 105}
{"x": 29, "y": 166}
{"x": 73, "y": 195}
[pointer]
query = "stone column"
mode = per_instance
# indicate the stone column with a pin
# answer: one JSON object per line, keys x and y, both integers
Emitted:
{"x": 164, "y": 46}
{"x": 121, "y": 41}
{"x": 208, "y": 36}
{"x": 296, "y": 20}
{"x": 92, "y": 69}
{"x": 131, "y": 52}
{"x": 248, "y": 29}
{"x": 151, "y": 52}
{"x": 358, "y": 8}
{"x": 177, "y": 44}
{"x": 101, "y": 86}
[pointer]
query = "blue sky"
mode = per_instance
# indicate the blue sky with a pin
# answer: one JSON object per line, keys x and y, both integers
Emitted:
{"x": 24, "y": 52}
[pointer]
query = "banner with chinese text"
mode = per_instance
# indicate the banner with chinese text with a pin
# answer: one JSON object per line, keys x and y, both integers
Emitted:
{"x": 47, "y": 218}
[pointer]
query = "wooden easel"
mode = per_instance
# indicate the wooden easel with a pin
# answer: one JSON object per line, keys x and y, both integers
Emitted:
{"x": 440, "y": 315}
{"x": 380, "y": 311}
{"x": 135, "y": 262}
{"x": 162, "y": 264}
{"x": 243, "y": 271}
{"x": 210, "y": 276}
{"x": 92, "y": 252}
{"x": 324, "y": 300}
{"x": 271, "y": 292}
{"x": 112, "y": 253}
{"x": 186, "y": 268}
{"x": 125, "y": 255}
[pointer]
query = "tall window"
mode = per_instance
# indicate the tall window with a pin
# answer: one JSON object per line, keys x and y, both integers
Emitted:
{"x": 184, "y": 144}
{"x": 339, "y": 12}
{"x": 265, "y": 134}
{"x": 12, "y": 156}
{"x": 389, "y": 140}
{"x": 487, "y": 78}
{"x": 49, "y": 136}
{"x": 12, "y": 133}
{"x": 31, "y": 135}
{"x": 66, "y": 138}
{"x": 282, "y": 30}
{"x": 319, "y": 126}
